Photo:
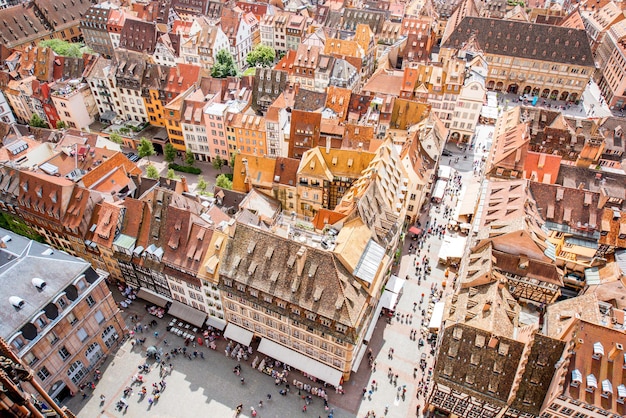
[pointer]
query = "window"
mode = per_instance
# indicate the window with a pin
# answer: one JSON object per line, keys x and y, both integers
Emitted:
{"x": 99, "y": 317}
{"x": 52, "y": 338}
{"x": 43, "y": 374}
{"x": 93, "y": 353}
{"x": 30, "y": 359}
{"x": 41, "y": 322}
{"x": 71, "y": 318}
{"x": 64, "y": 353}
{"x": 76, "y": 372}
{"x": 90, "y": 301}
{"x": 82, "y": 335}
{"x": 109, "y": 336}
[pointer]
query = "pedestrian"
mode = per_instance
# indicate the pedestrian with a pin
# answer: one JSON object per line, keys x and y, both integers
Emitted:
{"x": 260, "y": 404}
{"x": 156, "y": 334}
{"x": 304, "y": 408}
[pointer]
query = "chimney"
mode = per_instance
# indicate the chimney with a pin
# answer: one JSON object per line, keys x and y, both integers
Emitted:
{"x": 183, "y": 182}
{"x": 300, "y": 260}
{"x": 604, "y": 198}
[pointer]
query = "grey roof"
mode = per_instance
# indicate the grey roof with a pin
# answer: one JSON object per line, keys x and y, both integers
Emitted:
{"x": 524, "y": 40}
{"x": 23, "y": 260}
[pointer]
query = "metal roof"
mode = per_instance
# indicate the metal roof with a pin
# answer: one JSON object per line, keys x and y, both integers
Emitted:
{"x": 370, "y": 261}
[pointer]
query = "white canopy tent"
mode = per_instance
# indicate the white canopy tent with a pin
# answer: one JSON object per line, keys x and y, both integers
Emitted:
{"x": 445, "y": 172}
{"x": 436, "y": 318}
{"x": 452, "y": 248}
{"x": 440, "y": 190}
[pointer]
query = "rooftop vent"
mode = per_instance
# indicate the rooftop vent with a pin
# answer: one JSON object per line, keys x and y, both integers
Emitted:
{"x": 6, "y": 238}
{"x": 38, "y": 283}
{"x": 17, "y": 302}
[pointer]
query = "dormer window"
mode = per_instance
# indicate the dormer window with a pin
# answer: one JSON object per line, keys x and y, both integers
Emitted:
{"x": 607, "y": 388}
{"x": 598, "y": 351}
{"x": 577, "y": 378}
{"x": 592, "y": 383}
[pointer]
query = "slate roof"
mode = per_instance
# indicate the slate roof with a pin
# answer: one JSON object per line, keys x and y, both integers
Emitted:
{"x": 24, "y": 260}
{"x": 139, "y": 36}
{"x": 320, "y": 284}
{"x": 524, "y": 40}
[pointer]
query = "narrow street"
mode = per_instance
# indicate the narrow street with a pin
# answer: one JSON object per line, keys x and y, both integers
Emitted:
{"x": 397, "y": 334}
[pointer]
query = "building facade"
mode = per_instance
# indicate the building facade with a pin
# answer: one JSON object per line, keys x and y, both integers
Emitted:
{"x": 526, "y": 58}
{"x": 62, "y": 320}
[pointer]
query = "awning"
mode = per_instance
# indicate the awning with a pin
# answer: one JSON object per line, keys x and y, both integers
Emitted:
{"x": 372, "y": 326}
{"x": 415, "y": 230}
{"x": 577, "y": 376}
{"x": 216, "y": 322}
{"x": 300, "y": 362}
{"x": 592, "y": 382}
{"x": 108, "y": 116}
{"x": 236, "y": 333}
{"x": 607, "y": 386}
{"x": 359, "y": 357}
{"x": 621, "y": 391}
{"x": 187, "y": 313}
{"x": 153, "y": 297}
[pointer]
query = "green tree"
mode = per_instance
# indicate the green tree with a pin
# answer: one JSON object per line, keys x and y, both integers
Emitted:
{"x": 169, "y": 153}
{"x": 171, "y": 174}
{"x": 117, "y": 138}
{"x": 152, "y": 172}
{"x": 223, "y": 182}
{"x": 202, "y": 185}
{"x": 189, "y": 158}
{"x": 37, "y": 122}
{"x": 145, "y": 149}
{"x": 218, "y": 163}
{"x": 224, "y": 65}
{"x": 65, "y": 48}
{"x": 232, "y": 160}
{"x": 262, "y": 55}
{"x": 61, "y": 124}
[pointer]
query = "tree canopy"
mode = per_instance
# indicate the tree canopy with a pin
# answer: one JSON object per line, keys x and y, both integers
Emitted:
{"x": 169, "y": 153}
{"x": 152, "y": 172}
{"x": 117, "y": 138}
{"x": 224, "y": 182}
{"x": 218, "y": 163}
{"x": 202, "y": 185}
{"x": 189, "y": 158}
{"x": 224, "y": 65}
{"x": 145, "y": 148}
{"x": 37, "y": 122}
{"x": 65, "y": 48}
{"x": 262, "y": 55}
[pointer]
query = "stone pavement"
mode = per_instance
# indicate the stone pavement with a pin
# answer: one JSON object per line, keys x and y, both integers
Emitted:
{"x": 199, "y": 387}
{"x": 407, "y": 352}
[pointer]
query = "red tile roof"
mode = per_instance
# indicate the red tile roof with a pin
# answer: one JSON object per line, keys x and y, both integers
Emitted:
{"x": 541, "y": 167}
